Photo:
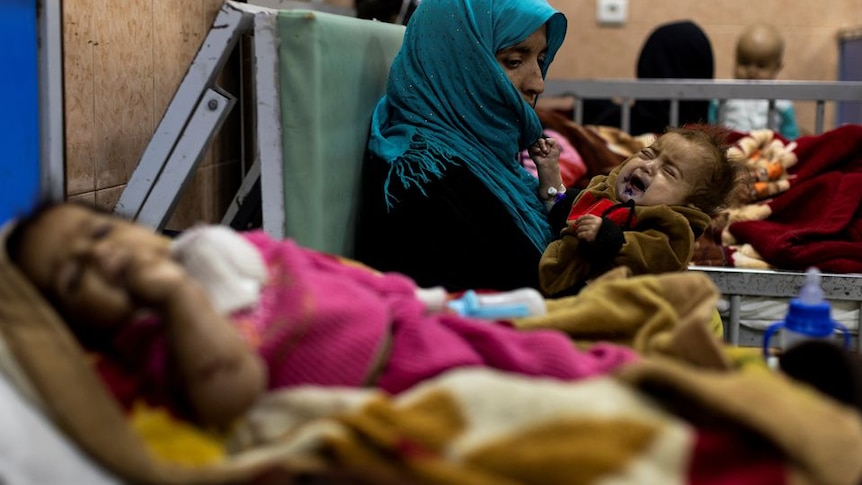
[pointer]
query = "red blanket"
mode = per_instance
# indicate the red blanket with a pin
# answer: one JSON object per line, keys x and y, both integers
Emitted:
{"x": 818, "y": 220}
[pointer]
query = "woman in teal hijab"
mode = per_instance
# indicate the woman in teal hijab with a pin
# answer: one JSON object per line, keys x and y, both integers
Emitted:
{"x": 445, "y": 199}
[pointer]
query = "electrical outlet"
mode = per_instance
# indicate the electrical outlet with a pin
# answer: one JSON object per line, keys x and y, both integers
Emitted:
{"x": 612, "y": 12}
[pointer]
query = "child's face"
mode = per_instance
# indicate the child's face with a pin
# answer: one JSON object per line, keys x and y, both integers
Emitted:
{"x": 756, "y": 68}
{"x": 663, "y": 173}
{"x": 80, "y": 257}
{"x": 758, "y": 57}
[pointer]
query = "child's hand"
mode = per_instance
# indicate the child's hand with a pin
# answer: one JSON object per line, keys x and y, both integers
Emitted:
{"x": 546, "y": 151}
{"x": 153, "y": 279}
{"x": 587, "y": 227}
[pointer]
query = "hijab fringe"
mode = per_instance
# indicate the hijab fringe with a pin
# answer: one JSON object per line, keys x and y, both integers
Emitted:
{"x": 415, "y": 168}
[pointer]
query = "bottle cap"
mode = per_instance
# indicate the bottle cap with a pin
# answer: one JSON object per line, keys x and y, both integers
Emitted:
{"x": 810, "y": 313}
{"x": 814, "y": 320}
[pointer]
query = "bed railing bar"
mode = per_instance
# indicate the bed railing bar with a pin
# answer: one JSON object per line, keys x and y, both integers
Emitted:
{"x": 626, "y": 120}
{"x": 674, "y": 112}
{"x": 268, "y": 114}
{"x": 722, "y": 106}
{"x": 778, "y": 283}
{"x": 189, "y": 149}
{"x": 700, "y": 89}
{"x": 819, "y": 116}
{"x": 579, "y": 111}
{"x": 734, "y": 319}
{"x": 139, "y": 195}
{"x": 859, "y": 329}
{"x": 770, "y": 120}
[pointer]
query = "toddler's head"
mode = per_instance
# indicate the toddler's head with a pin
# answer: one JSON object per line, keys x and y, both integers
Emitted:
{"x": 78, "y": 257}
{"x": 684, "y": 166}
{"x": 759, "y": 53}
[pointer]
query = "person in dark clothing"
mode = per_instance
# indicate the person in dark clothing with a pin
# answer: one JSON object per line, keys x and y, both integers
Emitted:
{"x": 444, "y": 197}
{"x": 676, "y": 50}
{"x": 393, "y": 11}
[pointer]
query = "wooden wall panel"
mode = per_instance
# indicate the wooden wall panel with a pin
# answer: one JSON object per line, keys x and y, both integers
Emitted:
{"x": 123, "y": 77}
{"x": 177, "y": 38}
{"x": 79, "y": 98}
{"x": 123, "y": 62}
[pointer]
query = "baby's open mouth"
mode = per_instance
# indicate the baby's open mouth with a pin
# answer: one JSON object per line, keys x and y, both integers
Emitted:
{"x": 637, "y": 183}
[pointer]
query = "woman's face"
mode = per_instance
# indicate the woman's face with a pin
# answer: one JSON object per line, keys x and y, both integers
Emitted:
{"x": 523, "y": 63}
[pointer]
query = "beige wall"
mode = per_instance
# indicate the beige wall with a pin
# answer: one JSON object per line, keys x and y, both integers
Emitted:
{"x": 123, "y": 62}
{"x": 810, "y": 28}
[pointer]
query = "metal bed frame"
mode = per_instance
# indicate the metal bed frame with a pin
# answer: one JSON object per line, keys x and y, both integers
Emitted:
{"x": 734, "y": 283}
{"x": 677, "y": 90}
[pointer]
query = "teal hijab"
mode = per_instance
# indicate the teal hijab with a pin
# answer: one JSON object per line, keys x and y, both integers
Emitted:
{"x": 448, "y": 101}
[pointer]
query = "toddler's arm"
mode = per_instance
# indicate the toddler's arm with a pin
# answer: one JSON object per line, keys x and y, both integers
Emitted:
{"x": 222, "y": 376}
{"x": 546, "y": 154}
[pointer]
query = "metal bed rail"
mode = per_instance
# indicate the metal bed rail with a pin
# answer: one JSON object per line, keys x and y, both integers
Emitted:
{"x": 733, "y": 283}
{"x": 676, "y": 90}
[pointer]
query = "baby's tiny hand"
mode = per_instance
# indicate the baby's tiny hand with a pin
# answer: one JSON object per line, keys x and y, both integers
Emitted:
{"x": 587, "y": 227}
{"x": 545, "y": 151}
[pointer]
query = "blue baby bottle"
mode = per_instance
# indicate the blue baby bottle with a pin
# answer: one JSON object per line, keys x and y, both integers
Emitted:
{"x": 523, "y": 302}
{"x": 809, "y": 317}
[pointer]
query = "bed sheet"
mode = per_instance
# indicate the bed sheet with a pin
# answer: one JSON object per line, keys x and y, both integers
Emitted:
{"x": 33, "y": 451}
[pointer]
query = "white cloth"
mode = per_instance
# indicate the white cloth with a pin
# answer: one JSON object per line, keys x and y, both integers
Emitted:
{"x": 229, "y": 267}
{"x": 751, "y": 114}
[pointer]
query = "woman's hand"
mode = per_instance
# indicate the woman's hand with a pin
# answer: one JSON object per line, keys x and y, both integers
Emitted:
{"x": 587, "y": 227}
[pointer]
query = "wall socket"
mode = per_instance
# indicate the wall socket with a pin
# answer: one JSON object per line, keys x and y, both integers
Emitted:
{"x": 612, "y": 12}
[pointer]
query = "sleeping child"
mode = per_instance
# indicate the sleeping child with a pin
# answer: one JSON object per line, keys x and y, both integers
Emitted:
{"x": 205, "y": 323}
{"x": 646, "y": 214}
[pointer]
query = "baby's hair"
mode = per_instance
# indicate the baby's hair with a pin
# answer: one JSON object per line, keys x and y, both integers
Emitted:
{"x": 18, "y": 232}
{"x": 760, "y": 33}
{"x": 20, "y": 227}
{"x": 722, "y": 175}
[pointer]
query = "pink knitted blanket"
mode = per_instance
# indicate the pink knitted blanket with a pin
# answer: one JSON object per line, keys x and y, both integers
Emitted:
{"x": 324, "y": 320}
